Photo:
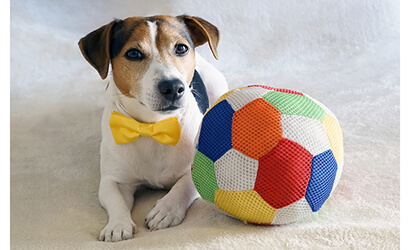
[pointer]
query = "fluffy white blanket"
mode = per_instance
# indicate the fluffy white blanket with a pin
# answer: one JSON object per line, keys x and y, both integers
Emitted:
{"x": 343, "y": 53}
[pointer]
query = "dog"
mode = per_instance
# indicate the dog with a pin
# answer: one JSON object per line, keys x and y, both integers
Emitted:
{"x": 153, "y": 63}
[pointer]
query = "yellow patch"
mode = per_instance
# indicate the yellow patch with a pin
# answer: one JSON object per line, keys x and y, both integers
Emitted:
{"x": 247, "y": 205}
{"x": 334, "y": 133}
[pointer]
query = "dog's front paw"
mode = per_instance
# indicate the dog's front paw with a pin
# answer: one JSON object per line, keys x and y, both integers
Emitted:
{"x": 166, "y": 213}
{"x": 118, "y": 230}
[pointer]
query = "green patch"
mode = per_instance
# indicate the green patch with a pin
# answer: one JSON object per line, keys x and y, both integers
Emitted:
{"x": 291, "y": 104}
{"x": 203, "y": 175}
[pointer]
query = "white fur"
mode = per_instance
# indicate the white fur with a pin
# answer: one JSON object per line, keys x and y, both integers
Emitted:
{"x": 146, "y": 162}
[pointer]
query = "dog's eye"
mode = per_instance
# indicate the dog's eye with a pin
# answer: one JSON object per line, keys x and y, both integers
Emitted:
{"x": 134, "y": 55}
{"x": 181, "y": 49}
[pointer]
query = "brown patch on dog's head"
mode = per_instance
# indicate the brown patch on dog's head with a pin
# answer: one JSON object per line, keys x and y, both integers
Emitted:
{"x": 133, "y": 34}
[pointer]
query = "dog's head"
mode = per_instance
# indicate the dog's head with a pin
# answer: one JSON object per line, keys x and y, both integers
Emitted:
{"x": 152, "y": 58}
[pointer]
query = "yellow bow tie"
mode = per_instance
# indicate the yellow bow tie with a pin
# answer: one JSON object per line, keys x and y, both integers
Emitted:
{"x": 126, "y": 130}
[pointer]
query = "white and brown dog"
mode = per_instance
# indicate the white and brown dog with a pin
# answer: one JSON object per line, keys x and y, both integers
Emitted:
{"x": 153, "y": 63}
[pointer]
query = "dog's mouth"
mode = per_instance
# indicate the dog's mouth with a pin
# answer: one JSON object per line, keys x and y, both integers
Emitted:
{"x": 171, "y": 107}
{"x": 165, "y": 109}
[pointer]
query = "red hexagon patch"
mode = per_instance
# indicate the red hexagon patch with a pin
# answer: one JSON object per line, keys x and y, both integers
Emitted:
{"x": 283, "y": 174}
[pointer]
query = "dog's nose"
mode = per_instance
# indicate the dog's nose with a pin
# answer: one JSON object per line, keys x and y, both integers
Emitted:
{"x": 172, "y": 89}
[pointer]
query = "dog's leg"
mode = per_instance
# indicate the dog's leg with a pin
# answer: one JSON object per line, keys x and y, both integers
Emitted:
{"x": 170, "y": 210}
{"x": 118, "y": 200}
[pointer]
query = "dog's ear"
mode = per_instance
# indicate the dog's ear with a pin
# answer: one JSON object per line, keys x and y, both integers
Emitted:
{"x": 201, "y": 31}
{"x": 95, "y": 47}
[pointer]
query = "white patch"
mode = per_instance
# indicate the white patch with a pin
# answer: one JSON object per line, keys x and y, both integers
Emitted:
{"x": 149, "y": 94}
{"x": 152, "y": 26}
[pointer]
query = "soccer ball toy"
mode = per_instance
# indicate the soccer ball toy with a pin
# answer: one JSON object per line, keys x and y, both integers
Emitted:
{"x": 267, "y": 155}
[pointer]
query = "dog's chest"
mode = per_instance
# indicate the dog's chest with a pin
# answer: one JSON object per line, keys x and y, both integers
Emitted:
{"x": 160, "y": 165}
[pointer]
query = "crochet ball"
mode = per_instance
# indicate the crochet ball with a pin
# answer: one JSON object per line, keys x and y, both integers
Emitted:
{"x": 267, "y": 155}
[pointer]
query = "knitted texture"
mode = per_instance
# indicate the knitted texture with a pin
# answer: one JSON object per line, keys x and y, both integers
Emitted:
{"x": 244, "y": 204}
{"x": 291, "y": 164}
{"x": 235, "y": 171}
{"x": 267, "y": 155}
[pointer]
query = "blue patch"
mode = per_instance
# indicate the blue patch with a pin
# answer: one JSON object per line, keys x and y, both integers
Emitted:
{"x": 322, "y": 177}
{"x": 215, "y": 138}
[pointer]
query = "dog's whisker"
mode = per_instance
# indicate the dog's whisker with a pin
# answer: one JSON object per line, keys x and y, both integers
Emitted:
{"x": 197, "y": 93}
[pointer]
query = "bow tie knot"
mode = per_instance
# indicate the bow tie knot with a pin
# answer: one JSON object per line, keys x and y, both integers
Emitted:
{"x": 126, "y": 130}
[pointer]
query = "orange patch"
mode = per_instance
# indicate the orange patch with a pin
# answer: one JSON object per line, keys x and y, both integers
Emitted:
{"x": 256, "y": 128}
